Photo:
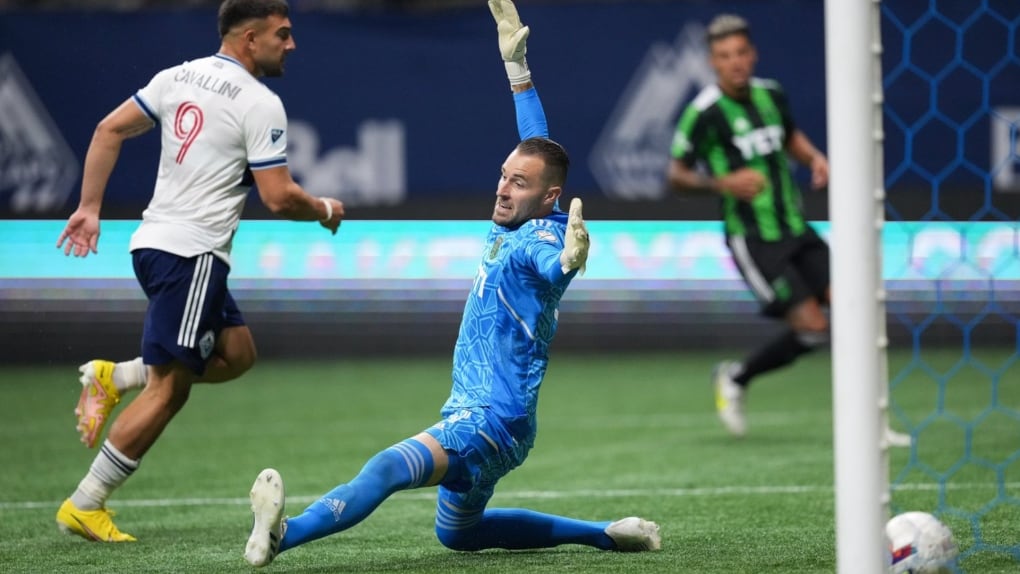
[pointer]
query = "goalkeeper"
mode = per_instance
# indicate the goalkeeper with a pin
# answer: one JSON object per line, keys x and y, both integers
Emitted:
{"x": 531, "y": 254}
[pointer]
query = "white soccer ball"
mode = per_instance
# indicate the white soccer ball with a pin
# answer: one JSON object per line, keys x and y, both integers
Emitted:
{"x": 919, "y": 544}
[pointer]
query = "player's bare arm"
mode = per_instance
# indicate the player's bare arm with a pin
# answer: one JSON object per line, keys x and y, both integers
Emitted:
{"x": 743, "y": 183}
{"x": 802, "y": 150}
{"x": 685, "y": 179}
{"x": 127, "y": 121}
{"x": 518, "y": 88}
{"x": 284, "y": 197}
{"x": 81, "y": 234}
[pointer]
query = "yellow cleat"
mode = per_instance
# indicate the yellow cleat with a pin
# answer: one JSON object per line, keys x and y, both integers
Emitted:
{"x": 98, "y": 397}
{"x": 94, "y": 525}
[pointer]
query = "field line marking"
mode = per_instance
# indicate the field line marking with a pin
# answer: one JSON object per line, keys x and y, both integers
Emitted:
{"x": 430, "y": 494}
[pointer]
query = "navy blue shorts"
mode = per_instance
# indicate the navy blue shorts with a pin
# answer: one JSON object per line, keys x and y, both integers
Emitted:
{"x": 189, "y": 304}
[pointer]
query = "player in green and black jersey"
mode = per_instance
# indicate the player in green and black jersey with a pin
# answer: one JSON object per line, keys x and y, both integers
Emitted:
{"x": 742, "y": 133}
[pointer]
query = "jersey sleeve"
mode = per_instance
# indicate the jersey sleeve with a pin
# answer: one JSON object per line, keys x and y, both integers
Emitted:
{"x": 543, "y": 254}
{"x": 689, "y": 130}
{"x": 149, "y": 97}
{"x": 547, "y": 262}
{"x": 531, "y": 120}
{"x": 783, "y": 105}
{"x": 265, "y": 134}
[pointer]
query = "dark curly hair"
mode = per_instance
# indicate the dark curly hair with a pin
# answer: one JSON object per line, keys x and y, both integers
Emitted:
{"x": 233, "y": 12}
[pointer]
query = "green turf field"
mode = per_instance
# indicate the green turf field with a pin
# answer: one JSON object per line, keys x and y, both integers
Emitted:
{"x": 618, "y": 436}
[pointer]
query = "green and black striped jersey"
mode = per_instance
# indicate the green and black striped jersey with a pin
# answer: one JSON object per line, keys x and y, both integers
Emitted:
{"x": 728, "y": 134}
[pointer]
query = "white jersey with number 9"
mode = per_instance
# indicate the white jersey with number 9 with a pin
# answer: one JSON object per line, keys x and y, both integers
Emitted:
{"x": 217, "y": 121}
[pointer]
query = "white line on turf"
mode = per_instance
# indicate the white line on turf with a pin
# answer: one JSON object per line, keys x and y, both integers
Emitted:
{"x": 430, "y": 494}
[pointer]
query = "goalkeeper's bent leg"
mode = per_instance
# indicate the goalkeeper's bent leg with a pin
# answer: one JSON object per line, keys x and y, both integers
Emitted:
{"x": 403, "y": 466}
{"x": 463, "y": 529}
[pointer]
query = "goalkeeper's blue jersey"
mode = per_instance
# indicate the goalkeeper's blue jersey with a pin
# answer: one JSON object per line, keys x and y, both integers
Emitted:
{"x": 509, "y": 320}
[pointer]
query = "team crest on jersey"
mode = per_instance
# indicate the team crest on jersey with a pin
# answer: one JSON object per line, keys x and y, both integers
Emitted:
{"x": 546, "y": 235}
{"x": 275, "y": 135}
{"x": 495, "y": 247}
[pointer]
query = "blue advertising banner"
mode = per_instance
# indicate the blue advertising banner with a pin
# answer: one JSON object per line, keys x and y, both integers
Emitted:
{"x": 385, "y": 107}
{"x": 691, "y": 255}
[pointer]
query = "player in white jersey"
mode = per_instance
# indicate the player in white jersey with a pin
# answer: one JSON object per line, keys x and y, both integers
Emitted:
{"x": 221, "y": 131}
{"x": 531, "y": 254}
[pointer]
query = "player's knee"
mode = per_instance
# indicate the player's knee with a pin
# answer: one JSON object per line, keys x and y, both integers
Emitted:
{"x": 816, "y": 325}
{"x": 245, "y": 360}
{"x": 242, "y": 356}
{"x": 813, "y": 339}
{"x": 460, "y": 540}
{"x": 236, "y": 348}
{"x": 458, "y": 528}
{"x": 808, "y": 318}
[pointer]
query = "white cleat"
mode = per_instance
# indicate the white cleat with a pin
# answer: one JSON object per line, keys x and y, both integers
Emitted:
{"x": 635, "y": 534}
{"x": 267, "y": 500}
{"x": 729, "y": 399}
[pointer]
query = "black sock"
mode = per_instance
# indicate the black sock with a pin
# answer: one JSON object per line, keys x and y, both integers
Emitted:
{"x": 778, "y": 352}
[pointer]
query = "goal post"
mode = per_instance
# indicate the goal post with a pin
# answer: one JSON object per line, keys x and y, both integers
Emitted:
{"x": 854, "y": 114}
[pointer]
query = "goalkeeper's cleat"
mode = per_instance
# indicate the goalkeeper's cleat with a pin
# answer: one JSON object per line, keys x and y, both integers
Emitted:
{"x": 94, "y": 525}
{"x": 577, "y": 242}
{"x": 634, "y": 534}
{"x": 729, "y": 399}
{"x": 268, "y": 523}
{"x": 98, "y": 397}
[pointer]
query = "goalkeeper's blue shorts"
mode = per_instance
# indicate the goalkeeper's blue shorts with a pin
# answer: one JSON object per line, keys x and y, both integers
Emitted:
{"x": 481, "y": 450}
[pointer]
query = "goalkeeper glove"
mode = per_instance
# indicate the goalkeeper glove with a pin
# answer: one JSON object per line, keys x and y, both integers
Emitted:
{"x": 575, "y": 248}
{"x": 513, "y": 38}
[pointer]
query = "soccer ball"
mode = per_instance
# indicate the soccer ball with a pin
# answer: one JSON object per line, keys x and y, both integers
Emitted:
{"x": 919, "y": 544}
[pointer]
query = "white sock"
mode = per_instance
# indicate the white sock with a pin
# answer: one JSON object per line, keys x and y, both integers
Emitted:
{"x": 109, "y": 470}
{"x": 130, "y": 375}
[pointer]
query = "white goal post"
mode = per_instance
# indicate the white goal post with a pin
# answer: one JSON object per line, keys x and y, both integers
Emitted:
{"x": 856, "y": 192}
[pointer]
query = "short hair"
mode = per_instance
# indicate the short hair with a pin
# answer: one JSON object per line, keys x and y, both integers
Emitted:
{"x": 725, "y": 25}
{"x": 557, "y": 162}
{"x": 234, "y": 12}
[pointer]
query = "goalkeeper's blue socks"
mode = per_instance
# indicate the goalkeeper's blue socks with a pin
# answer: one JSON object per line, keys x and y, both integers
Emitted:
{"x": 513, "y": 529}
{"x": 403, "y": 466}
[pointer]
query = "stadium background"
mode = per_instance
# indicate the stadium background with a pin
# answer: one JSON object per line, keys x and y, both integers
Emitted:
{"x": 401, "y": 110}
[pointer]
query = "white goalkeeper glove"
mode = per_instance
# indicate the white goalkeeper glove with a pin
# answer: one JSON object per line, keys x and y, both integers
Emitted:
{"x": 513, "y": 38}
{"x": 575, "y": 248}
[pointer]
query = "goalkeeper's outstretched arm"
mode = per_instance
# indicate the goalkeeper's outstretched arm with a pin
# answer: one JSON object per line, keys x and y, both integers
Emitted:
{"x": 513, "y": 45}
{"x": 531, "y": 122}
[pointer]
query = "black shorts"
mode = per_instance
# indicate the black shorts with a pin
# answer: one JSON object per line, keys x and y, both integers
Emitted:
{"x": 783, "y": 273}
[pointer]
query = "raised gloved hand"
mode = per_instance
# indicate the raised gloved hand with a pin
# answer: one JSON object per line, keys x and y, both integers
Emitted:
{"x": 513, "y": 39}
{"x": 577, "y": 242}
